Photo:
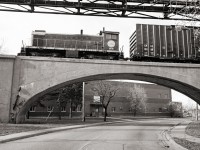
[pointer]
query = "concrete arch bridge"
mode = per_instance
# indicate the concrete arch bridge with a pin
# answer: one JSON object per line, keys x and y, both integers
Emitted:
{"x": 24, "y": 79}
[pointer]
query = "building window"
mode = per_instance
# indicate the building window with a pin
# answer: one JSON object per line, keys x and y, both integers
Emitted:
{"x": 145, "y": 53}
{"x": 120, "y": 108}
{"x": 32, "y": 109}
{"x": 73, "y": 108}
{"x": 160, "y": 109}
{"x": 113, "y": 109}
{"x": 50, "y": 108}
{"x": 78, "y": 108}
{"x": 130, "y": 109}
{"x": 63, "y": 109}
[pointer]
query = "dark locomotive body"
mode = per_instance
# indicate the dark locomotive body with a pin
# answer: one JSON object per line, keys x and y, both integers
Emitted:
{"x": 165, "y": 44}
{"x": 102, "y": 46}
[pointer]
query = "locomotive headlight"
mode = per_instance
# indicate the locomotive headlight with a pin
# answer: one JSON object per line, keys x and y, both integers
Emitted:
{"x": 111, "y": 43}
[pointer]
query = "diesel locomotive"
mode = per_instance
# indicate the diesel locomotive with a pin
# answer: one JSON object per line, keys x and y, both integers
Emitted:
{"x": 165, "y": 43}
{"x": 105, "y": 45}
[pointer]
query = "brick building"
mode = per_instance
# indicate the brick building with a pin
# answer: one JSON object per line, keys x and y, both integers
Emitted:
{"x": 158, "y": 99}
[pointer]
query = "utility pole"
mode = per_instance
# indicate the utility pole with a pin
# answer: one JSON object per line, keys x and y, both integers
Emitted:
{"x": 197, "y": 112}
{"x": 83, "y": 103}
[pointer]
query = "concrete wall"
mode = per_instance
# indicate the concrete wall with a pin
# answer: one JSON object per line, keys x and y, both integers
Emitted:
{"x": 36, "y": 76}
{"x": 6, "y": 77}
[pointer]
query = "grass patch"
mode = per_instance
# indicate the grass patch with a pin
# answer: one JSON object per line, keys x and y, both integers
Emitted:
{"x": 6, "y": 129}
{"x": 66, "y": 120}
{"x": 41, "y": 123}
{"x": 187, "y": 144}
{"x": 193, "y": 129}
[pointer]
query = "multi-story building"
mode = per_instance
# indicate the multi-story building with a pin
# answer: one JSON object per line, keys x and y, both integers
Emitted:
{"x": 133, "y": 44}
{"x": 158, "y": 99}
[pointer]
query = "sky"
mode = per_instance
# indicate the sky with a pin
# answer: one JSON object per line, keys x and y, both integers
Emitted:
{"x": 17, "y": 27}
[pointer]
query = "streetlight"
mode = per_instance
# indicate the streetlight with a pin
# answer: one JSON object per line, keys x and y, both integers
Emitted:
{"x": 197, "y": 113}
{"x": 83, "y": 103}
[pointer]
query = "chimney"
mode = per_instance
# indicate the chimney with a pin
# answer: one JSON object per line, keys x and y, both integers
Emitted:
{"x": 81, "y": 32}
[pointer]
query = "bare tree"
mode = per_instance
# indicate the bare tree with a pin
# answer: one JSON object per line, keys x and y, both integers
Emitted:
{"x": 138, "y": 98}
{"x": 175, "y": 109}
{"x": 172, "y": 109}
{"x": 106, "y": 91}
{"x": 189, "y": 107}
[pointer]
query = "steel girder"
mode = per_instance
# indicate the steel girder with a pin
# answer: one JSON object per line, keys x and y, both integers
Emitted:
{"x": 147, "y": 9}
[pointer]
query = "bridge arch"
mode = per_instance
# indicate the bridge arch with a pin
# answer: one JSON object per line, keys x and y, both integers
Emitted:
{"x": 181, "y": 87}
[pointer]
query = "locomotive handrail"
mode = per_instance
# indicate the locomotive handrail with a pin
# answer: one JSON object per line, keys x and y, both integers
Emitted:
{"x": 40, "y": 42}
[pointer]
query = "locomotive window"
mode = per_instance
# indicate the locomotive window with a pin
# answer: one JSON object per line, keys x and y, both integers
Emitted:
{"x": 114, "y": 36}
{"x": 108, "y": 36}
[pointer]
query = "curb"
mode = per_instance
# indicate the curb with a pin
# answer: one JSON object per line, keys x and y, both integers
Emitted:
{"x": 23, "y": 135}
{"x": 170, "y": 141}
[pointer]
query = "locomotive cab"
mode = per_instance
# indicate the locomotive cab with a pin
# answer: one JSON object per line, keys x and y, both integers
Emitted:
{"x": 111, "y": 40}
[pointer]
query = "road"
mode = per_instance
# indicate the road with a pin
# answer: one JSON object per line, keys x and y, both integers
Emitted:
{"x": 140, "y": 134}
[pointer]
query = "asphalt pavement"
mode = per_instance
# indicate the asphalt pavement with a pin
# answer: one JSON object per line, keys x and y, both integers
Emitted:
{"x": 167, "y": 135}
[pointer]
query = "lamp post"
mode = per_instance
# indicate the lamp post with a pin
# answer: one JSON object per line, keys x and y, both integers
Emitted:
{"x": 83, "y": 103}
{"x": 197, "y": 112}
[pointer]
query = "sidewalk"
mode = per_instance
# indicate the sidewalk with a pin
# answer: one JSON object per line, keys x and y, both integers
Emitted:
{"x": 178, "y": 131}
{"x": 22, "y": 135}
